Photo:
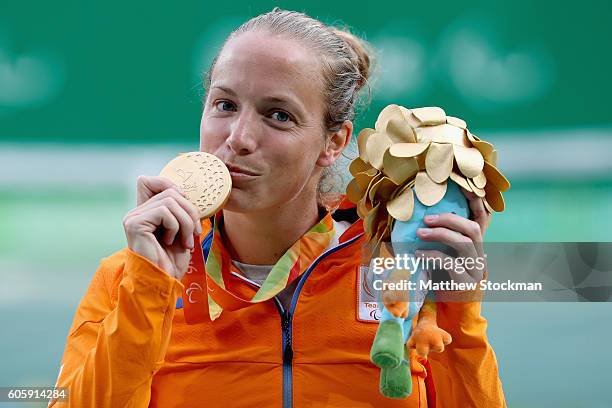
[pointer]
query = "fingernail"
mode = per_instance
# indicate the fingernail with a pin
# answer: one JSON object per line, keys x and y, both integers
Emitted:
{"x": 424, "y": 231}
{"x": 431, "y": 217}
{"x": 199, "y": 228}
{"x": 190, "y": 242}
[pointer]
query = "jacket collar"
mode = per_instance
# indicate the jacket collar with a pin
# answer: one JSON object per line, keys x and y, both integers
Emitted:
{"x": 347, "y": 211}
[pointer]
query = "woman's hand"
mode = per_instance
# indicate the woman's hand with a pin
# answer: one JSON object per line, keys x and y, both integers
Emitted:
{"x": 462, "y": 234}
{"x": 162, "y": 226}
{"x": 478, "y": 211}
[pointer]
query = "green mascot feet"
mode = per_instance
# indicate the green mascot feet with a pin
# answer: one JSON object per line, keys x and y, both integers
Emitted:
{"x": 389, "y": 353}
{"x": 396, "y": 382}
{"x": 388, "y": 348}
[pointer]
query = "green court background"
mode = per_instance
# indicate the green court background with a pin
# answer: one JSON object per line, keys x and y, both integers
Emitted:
{"x": 94, "y": 93}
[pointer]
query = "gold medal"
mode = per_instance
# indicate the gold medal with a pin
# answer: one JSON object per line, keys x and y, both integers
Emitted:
{"x": 203, "y": 177}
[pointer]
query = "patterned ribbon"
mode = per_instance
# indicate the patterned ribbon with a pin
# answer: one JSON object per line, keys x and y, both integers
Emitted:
{"x": 289, "y": 267}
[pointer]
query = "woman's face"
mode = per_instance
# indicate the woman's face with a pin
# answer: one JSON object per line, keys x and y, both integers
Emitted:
{"x": 263, "y": 116}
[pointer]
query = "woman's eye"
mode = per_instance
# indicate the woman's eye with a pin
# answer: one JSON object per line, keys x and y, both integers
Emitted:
{"x": 281, "y": 116}
{"x": 225, "y": 106}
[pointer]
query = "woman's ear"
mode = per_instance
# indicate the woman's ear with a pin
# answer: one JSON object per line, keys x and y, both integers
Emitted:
{"x": 335, "y": 144}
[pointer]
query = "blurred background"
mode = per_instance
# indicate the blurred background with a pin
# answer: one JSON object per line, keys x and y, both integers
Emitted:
{"x": 92, "y": 94}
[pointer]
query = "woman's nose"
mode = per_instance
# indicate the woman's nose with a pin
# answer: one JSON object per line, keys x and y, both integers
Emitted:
{"x": 242, "y": 138}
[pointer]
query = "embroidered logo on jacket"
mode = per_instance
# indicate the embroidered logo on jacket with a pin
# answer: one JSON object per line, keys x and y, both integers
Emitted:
{"x": 367, "y": 307}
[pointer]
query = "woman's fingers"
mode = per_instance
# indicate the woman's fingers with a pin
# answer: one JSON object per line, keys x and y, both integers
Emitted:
{"x": 439, "y": 260}
{"x": 462, "y": 244}
{"x": 185, "y": 204}
{"x": 186, "y": 223}
{"x": 478, "y": 211}
{"x": 170, "y": 223}
{"x": 459, "y": 224}
{"x": 149, "y": 186}
{"x": 147, "y": 222}
{"x": 168, "y": 213}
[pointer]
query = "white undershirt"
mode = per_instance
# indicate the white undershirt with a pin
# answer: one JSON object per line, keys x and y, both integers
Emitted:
{"x": 258, "y": 273}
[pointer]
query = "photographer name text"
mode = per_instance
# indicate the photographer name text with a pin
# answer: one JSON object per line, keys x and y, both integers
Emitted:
{"x": 451, "y": 285}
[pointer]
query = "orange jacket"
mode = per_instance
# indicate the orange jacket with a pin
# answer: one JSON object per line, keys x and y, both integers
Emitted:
{"x": 129, "y": 344}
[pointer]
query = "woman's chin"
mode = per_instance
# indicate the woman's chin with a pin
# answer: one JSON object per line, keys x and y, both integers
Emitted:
{"x": 239, "y": 202}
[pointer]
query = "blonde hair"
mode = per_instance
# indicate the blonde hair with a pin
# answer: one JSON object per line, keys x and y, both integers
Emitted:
{"x": 346, "y": 61}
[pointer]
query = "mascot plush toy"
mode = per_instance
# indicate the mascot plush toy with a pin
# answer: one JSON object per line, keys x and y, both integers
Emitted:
{"x": 424, "y": 153}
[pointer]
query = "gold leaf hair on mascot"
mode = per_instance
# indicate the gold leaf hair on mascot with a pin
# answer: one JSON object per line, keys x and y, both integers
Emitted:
{"x": 424, "y": 153}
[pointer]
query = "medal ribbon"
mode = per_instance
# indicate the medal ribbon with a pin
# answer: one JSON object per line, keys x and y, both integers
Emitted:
{"x": 218, "y": 263}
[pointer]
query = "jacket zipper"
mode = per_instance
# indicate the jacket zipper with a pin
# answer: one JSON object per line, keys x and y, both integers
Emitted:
{"x": 286, "y": 342}
{"x": 288, "y": 363}
{"x": 287, "y": 321}
{"x": 287, "y": 360}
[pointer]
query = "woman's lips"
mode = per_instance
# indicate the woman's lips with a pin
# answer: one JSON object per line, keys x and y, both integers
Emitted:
{"x": 239, "y": 173}
{"x": 241, "y": 176}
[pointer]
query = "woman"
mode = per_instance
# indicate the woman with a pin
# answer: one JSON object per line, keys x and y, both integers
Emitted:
{"x": 278, "y": 110}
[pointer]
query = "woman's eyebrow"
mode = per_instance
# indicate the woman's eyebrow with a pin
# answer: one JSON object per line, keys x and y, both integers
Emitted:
{"x": 292, "y": 102}
{"x": 224, "y": 89}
